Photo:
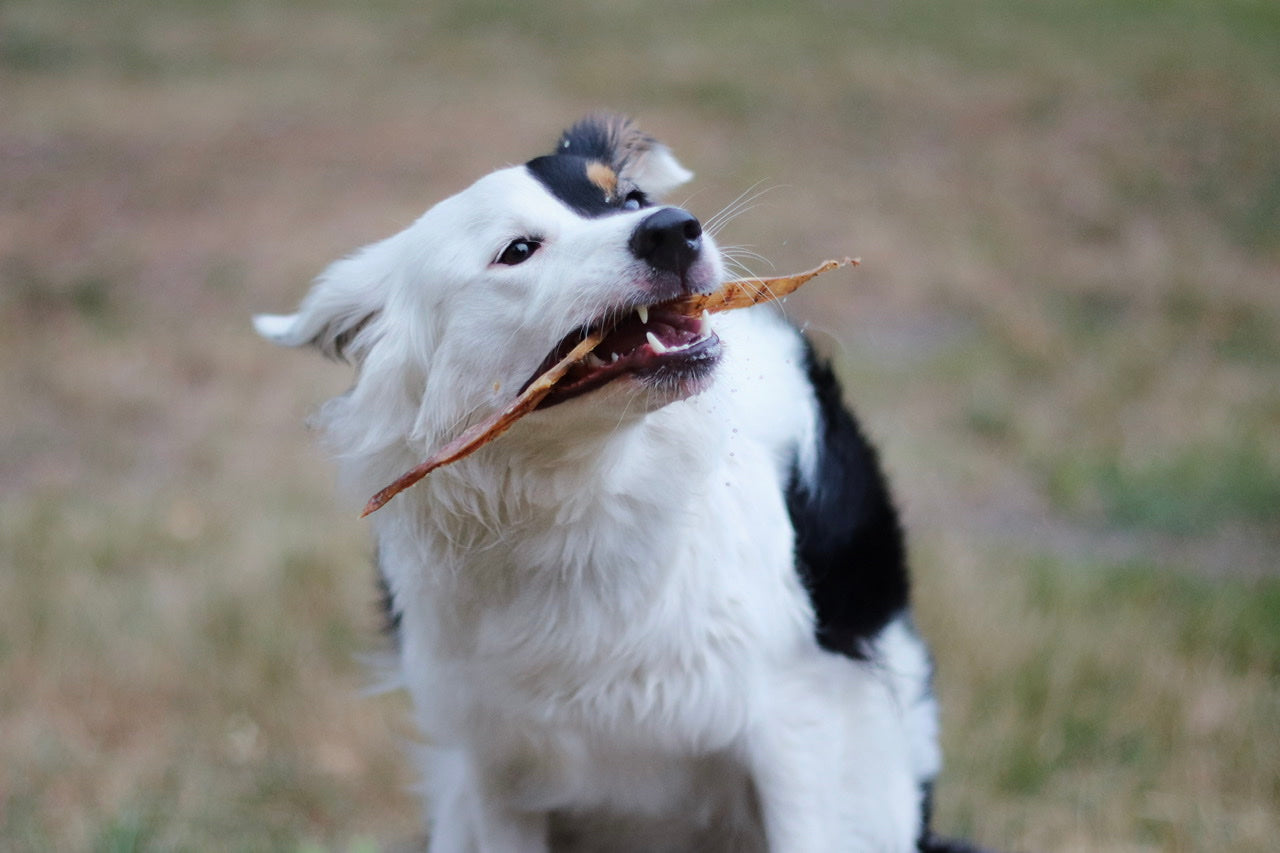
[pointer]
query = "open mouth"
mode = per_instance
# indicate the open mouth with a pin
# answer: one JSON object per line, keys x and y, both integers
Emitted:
{"x": 685, "y": 353}
{"x": 661, "y": 347}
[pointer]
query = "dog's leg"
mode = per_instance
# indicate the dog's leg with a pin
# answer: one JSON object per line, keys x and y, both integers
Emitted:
{"x": 830, "y": 762}
{"x": 467, "y": 819}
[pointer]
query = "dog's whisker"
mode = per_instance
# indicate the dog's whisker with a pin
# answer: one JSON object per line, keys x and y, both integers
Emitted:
{"x": 743, "y": 198}
{"x": 716, "y": 226}
{"x": 737, "y": 252}
{"x": 740, "y": 205}
{"x": 734, "y": 256}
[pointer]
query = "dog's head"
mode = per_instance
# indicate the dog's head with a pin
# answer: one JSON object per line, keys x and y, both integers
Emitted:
{"x": 458, "y": 312}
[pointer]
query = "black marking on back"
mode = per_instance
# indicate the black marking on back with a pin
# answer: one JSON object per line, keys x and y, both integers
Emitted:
{"x": 849, "y": 544}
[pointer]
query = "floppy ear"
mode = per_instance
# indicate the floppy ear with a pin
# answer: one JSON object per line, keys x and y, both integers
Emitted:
{"x": 335, "y": 315}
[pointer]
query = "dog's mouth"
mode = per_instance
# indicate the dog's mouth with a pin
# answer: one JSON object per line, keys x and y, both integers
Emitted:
{"x": 685, "y": 352}
{"x": 659, "y": 346}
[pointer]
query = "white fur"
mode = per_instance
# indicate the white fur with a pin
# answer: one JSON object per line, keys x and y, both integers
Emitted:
{"x": 601, "y": 616}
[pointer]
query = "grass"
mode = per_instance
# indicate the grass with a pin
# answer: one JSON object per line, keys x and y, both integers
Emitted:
{"x": 1193, "y": 489}
{"x": 1063, "y": 334}
{"x": 1076, "y": 721}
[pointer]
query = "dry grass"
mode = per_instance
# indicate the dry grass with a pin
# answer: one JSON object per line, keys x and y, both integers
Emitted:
{"x": 1064, "y": 335}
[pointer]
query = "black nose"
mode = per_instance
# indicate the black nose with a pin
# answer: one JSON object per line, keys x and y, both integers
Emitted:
{"x": 668, "y": 240}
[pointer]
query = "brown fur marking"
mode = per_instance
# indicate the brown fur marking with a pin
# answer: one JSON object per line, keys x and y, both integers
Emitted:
{"x": 604, "y": 177}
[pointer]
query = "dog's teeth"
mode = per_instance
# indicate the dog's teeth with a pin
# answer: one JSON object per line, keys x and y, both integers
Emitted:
{"x": 593, "y": 360}
{"x": 704, "y": 324}
{"x": 643, "y": 313}
{"x": 654, "y": 343}
{"x": 614, "y": 357}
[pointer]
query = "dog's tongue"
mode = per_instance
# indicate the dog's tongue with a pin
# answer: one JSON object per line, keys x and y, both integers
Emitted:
{"x": 741, "y": 293}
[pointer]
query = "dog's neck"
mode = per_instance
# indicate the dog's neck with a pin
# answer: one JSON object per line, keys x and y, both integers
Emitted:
{"x": 552, "y": 504}
{"x": 544, "y": 525}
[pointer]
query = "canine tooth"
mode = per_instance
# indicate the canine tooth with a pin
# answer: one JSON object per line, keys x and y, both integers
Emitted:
{"x": 614, "y": 357}
{"x": 654, "y": 343}
{"x": 642, "y": 312}
{"x": 593, "y": 360}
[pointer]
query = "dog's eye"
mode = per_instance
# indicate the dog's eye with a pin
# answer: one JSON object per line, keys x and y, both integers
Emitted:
{"x": 518, "y": 252}
{"x": 635, "y": 200}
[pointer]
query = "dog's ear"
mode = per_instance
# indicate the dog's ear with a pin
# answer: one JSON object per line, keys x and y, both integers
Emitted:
{"x": 336, "y": 314}
{"x": 638, "y": 159}
{"x": 654, "y": 170}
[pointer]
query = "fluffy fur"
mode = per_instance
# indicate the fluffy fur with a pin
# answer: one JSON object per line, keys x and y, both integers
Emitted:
{"x": 666, "y": 615}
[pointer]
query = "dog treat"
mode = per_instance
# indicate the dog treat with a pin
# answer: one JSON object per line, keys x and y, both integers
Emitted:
{"x": 740, "y": 293}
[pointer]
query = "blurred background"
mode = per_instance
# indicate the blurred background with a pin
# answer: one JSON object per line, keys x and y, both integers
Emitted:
{"x": 1065, "y": 337}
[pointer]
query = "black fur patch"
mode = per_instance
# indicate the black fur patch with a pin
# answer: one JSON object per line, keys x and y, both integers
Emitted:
{"x": 849, "y": 544}
{"x": 850, "y": 547}
{"x": 566, "y": 177}
{"x": 610, "y": 140}
{"x": 387, "y": 606}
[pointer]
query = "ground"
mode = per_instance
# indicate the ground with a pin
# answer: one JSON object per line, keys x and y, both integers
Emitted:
{"x": 1065, "y": 337}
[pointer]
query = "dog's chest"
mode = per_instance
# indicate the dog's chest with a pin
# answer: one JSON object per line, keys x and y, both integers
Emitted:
{"x": 654, "y": 621}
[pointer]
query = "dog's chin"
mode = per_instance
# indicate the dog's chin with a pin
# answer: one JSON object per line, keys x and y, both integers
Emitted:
{"x": 663, "y": 355}
{"x": 667, "y": 381}
{"x": 679, "y": 378}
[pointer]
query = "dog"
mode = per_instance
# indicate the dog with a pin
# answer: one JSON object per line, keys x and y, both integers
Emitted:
{"x": 668, "y": 610}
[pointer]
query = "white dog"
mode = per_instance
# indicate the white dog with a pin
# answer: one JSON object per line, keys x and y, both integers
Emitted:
{"x": 668, "y": 610}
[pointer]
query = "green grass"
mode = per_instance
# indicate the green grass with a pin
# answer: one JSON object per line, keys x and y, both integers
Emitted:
{"x": 1192, "y": 490}
{"x": 1064, "y": 335}
{"x": 1175, "y": 676}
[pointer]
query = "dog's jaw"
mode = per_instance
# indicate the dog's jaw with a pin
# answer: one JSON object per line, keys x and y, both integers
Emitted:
{"x": 668, "y": 354}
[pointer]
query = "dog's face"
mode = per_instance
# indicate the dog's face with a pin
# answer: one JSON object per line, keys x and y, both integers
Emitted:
{"x": 493, "y": 285}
